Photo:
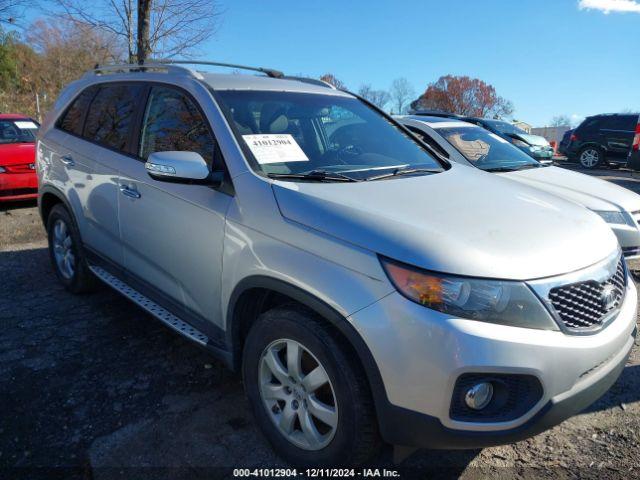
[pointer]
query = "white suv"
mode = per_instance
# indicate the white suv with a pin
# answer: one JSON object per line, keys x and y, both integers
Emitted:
{"x": 368, "y": 289}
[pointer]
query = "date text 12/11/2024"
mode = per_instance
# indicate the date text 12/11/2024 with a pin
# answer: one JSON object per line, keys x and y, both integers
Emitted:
{"x": 316, "y": 473}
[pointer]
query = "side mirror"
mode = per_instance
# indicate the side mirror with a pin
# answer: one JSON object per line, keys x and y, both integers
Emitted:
{"x": 177, "y": 167}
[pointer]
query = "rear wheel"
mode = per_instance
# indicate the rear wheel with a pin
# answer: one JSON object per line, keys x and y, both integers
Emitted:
{"x": 591, "y": 157}
{"x": 66, "y": 253}
{"x": 308, "y": 394}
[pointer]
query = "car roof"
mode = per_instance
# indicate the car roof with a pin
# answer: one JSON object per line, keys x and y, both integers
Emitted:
{"x": 220, "y": 81}
{"x": 439, "y": 122}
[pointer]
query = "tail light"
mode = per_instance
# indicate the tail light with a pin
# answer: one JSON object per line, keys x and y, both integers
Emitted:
{"x": 573, "y": 137}
{"x": 636, "y": 138}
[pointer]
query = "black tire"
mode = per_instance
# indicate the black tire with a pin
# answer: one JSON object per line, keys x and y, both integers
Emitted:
{"x": 82, "y": 280}
{"x": 589, "y": 152}
{"x": 356, "y": 438}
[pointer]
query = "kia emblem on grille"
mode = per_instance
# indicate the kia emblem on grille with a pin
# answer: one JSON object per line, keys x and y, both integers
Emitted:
{"x": 608, "y": 297}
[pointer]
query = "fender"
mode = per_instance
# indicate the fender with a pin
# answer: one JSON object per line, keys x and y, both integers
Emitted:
{"x": 321, "y": 308}
{"x": 56, "y": 192}
{"x": 599, "y": 146}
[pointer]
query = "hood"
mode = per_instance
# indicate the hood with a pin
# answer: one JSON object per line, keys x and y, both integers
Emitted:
{"x": 531, "y": 139}
{"x": 593, "y": 193}
{"x": 17, "y": 153}
{"x": 462, "y": 221}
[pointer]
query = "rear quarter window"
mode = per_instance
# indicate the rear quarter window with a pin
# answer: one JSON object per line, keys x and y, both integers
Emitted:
{"x": 590, "y": 124}
{"x": 72, "y": 119}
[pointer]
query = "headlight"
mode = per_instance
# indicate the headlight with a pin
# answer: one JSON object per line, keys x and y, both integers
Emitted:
{"x": 495, "y": 301}
{"x": 616, "y": 218}
{"x": 2, "y": 170}
{"x": 535, "y": 148}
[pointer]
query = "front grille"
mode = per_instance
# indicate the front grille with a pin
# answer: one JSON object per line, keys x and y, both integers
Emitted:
{"x": 630, "y": 251}
{"x": 585, "y": 305}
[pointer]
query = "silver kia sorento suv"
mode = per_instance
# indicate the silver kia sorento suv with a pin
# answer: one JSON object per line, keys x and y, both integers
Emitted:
{"x": 368, "y": 289}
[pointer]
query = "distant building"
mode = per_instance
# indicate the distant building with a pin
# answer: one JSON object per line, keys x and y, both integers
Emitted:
{"x": 523, "y": 126}
{"x": 552, "y": 134}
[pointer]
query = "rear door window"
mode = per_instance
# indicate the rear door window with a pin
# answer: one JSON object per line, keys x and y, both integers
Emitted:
{"x": 72, "y": 119}
{"x": 111, "y": 115}
{"x": 172, "y": 122}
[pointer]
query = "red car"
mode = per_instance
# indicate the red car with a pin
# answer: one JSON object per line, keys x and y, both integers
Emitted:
{"x": 18, "y": 179}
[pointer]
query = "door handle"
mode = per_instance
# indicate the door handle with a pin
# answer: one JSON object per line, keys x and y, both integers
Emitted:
{"x": 67, "y": 160}
{"x": 129, "y": 192}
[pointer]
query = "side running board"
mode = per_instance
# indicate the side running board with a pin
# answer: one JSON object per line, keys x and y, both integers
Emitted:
{"x": 162, "y": 314}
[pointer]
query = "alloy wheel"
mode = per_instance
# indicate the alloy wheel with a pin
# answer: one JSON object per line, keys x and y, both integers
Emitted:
{"x": 63, "y": 249}
{"x": 298, "y": 395}
{"x": 590, "y": 158}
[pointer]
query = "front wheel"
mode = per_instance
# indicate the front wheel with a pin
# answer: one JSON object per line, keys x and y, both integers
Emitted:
{"x": 591, "y": 157}
{"x": 307, "y": 392}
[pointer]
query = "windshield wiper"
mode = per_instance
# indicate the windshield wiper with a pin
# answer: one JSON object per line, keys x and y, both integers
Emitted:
{"x": 402, "y": 171}
{"x": 500, "y": 169}
{"x": 315, "y": 175}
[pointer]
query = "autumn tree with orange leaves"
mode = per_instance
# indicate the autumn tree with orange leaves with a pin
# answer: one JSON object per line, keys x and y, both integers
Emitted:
{"x": 463, "y": 96}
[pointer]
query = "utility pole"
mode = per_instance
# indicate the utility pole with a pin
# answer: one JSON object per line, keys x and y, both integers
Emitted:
{"x": 38, "y": 108}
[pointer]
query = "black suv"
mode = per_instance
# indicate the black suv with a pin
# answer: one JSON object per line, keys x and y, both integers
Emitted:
{"x": 603, "y": 140}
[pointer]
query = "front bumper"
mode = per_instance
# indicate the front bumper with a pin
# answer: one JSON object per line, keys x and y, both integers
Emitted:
{"x": 18, "y": 186}
{"x": 400, "y": 426}
{"x": 421, "y": 353}
{"x": 629, "y": 239}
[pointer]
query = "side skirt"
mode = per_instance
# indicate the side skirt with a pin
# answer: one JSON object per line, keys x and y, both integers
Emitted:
{"x": 165, "y": 316}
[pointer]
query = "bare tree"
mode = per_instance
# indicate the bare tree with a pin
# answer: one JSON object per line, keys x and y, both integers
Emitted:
{"x": 378, "y": 97}
{"x": 401, "y": 93}
{"x": 331, "y": 78}
{"x": 169, "y": 28}
{"x": 11, "y": 10}
{"x": 561, "y": 121}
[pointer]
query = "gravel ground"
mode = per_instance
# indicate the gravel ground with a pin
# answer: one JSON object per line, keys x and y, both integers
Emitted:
{"x": 92, "y": 387}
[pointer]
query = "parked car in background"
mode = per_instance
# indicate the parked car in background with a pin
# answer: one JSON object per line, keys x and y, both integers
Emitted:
{"x": 563, "y": 146}
{"x": 535, "y": 146}
{"x": 18, "y": 179}
{"x": 603, "y": 140}
{"x": 367, "y": 287}
{"x": 469, "y": 144}
{"x": 634, "y": 154}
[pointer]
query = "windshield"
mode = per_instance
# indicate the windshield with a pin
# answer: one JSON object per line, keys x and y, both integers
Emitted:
{"x": 505, "y": 127}
{"x": 486, "y": 150}
{"x": 297, "y": 133}
{"x": 18, "y": 131}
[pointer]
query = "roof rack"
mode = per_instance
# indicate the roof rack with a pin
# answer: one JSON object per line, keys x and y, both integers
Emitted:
{"x": 134, "y": 67}
{"x": 269, "y": 72}
{"x": 312, "y": 81}
{"x": 435, "y": 113}
{"x": 175, "y": 66}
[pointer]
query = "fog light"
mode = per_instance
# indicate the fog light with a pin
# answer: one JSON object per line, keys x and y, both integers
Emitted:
{"x": 479, "y": 396}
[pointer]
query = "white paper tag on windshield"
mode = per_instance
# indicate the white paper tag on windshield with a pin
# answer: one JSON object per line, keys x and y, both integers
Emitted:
{"x": 498, "y": 137}
{"x": 272, "y": 148}
{"x": 26, "y": 125}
